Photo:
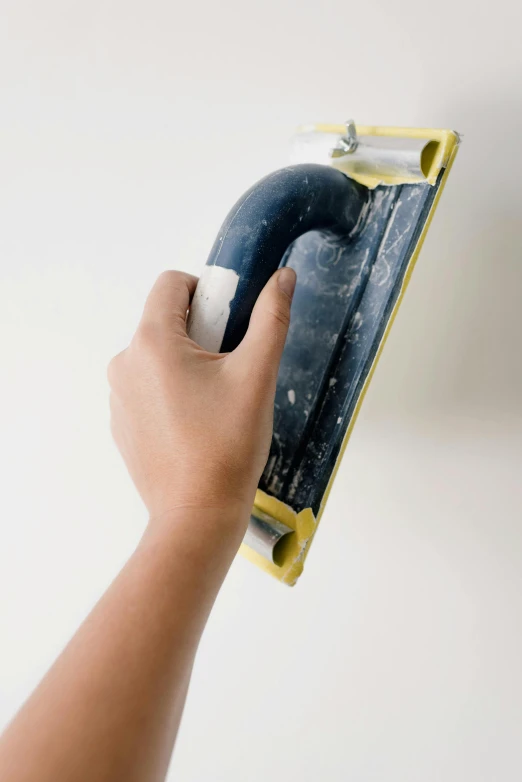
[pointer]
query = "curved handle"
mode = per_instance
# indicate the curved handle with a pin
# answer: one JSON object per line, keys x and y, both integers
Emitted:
{"x": 254, "y": 239}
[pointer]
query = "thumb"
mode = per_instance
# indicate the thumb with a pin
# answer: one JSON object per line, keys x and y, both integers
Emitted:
{"x": 269, "y": 322}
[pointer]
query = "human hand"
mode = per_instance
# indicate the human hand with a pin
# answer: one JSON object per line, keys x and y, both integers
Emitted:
{"x": 193, "y": 427}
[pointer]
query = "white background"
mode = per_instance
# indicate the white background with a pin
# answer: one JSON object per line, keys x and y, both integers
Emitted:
{"x": 127, "y": 130}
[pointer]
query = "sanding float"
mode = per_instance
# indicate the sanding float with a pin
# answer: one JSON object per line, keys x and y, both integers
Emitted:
{"x": 349, "y": 215}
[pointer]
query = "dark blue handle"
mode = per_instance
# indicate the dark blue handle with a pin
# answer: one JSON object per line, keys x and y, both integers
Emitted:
{"x": 256, "y": 235}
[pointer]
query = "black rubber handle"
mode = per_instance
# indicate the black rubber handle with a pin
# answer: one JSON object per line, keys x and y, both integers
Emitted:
{"x": 255, "y": 237}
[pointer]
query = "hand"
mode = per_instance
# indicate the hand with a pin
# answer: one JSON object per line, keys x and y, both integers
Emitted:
{"x": 193, "y": 427}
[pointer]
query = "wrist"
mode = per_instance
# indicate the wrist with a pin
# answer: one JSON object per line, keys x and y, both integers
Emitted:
{"x": 213, "y": 522}
{"x": 195, "y": 545}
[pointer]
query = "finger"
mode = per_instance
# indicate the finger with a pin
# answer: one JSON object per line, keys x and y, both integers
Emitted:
{"x": 169, "y": 300}
{"x": 269, "y": 322}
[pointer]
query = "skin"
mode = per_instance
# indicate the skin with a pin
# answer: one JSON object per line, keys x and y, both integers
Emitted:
{"x": 194, "y": 430}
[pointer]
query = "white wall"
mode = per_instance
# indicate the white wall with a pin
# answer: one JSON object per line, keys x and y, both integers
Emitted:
{"x": 127, "y": 129}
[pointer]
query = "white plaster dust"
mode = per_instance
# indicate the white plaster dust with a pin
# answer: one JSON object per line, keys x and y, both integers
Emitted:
{"x": 210, "y": 308}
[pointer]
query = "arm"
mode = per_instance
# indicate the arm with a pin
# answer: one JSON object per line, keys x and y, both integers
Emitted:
{"x": 194, "y": 430}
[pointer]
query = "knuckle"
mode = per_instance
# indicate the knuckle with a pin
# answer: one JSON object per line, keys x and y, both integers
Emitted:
{"x": 170, "y": 278}
{"x": 151, "y": 349}
{"x": 146, "y": 337}
{"x": 167, "y": 276}
{"x": 114, "y": 369}
{"x": 281, "y": 314}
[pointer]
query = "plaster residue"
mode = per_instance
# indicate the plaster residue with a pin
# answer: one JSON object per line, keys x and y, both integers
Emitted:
{"x": 210, "y": 308}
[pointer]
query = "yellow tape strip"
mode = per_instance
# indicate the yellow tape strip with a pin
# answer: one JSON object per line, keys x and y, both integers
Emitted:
{"x": 437, "y": 159}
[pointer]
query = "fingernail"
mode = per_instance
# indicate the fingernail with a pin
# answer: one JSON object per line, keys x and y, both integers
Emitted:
{"x": 286, "y": 281}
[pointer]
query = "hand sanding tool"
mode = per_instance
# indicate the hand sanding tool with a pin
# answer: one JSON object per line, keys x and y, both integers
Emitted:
{"x": 349, "y": 215}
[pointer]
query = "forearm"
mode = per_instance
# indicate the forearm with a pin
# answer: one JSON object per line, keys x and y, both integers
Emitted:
{"x": 110, "y": 707}
{"x": 190, "y": 425}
